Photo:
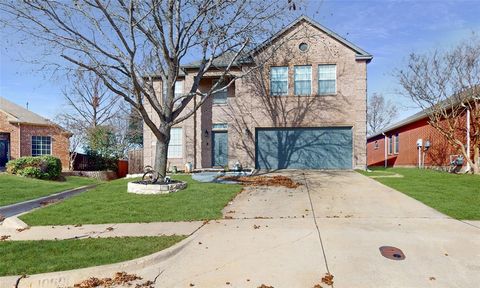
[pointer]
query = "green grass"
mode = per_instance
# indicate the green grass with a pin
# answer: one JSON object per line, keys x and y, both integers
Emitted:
{"x": 457, "y": 196}
{"x": 32, "y": 257}
{"x": 14, "y": 189}
{"x": 110, "y": 203}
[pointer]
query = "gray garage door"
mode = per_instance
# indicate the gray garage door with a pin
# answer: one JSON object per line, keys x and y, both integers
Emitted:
{"x": 303, "y": 148}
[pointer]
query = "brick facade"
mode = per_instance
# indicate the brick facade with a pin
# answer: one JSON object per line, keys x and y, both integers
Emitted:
{"x": 249, "y": 108}
{"x": 20, "y": 139}
{"x": 437, "y": 155}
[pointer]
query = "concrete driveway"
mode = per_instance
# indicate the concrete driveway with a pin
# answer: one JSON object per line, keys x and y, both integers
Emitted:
{"x": 272, "y": 239}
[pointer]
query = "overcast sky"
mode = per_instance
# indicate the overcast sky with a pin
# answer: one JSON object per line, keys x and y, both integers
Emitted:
{"x": 390, "y": 30}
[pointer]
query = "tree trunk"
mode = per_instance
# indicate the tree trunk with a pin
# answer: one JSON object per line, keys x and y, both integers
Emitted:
{"x": 161, "y": 154}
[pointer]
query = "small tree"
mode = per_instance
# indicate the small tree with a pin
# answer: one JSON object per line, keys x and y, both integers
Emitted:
{"x": 126, "y": 42}
{"x": 380, "y": 113}
{"x": 446, "y": 85}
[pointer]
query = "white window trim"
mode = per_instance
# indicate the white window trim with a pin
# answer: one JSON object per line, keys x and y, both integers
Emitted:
{"x": 51, "y": 144}
{"x": 288, "y": 84}
{"x": 395, "y": 146}
{"x": 318, "y": 80}
{"x": 181, "y": 145}
{"x": 311, "y": 79}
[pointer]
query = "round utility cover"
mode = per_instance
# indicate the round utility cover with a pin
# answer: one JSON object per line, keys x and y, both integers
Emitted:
{"x": 392, "y": 253}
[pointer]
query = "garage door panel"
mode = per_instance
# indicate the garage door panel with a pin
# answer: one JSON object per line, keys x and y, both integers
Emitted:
{"x": 304, "y": 148}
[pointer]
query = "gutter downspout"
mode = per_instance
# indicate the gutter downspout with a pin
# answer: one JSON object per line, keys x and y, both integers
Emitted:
{"x": 385, "y": 149}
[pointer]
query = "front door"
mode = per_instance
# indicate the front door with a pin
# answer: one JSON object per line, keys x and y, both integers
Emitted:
{"x": 3, "y": 152}
{"x": 220, "y": 148}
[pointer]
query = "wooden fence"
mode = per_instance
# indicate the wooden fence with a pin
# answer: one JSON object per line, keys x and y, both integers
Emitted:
{"x": 135, "y": 161}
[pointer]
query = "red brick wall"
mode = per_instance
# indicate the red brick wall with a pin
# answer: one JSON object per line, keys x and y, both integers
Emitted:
{"x": 438, "y": 154}
{"x": 13, "y": 131}
{"x": 60, "y": 141}
{"x": 21, "y": 139}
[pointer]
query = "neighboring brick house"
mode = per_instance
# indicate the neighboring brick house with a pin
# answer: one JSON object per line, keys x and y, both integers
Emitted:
{"x": 24, "y": 133}
{"x": 310, "y": 115}
{"x": 396, "y": 145}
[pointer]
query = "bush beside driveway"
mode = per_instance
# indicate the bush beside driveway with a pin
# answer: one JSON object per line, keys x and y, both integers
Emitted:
{"x": 455, "y": 195}
{"x": 110, "y": 203}
{"x": 15, "y": 189}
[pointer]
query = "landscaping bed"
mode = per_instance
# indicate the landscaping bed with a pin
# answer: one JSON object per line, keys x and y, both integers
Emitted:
{"x": 33, "y": 257}
{"x": 110, "y": 203}
{"x": 455, "y": 195}
{"x": 14, "y": 189}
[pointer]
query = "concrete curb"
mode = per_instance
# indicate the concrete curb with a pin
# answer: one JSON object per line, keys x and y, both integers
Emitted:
{"x": 14, "y": 223}
{"x": 64, "y": 279}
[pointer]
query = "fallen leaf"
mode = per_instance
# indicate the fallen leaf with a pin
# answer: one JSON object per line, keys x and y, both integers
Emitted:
{"x": 317, "y": 286}
{"x": 264, "y": 286}
{"x": 4, "y": 237}
{"x": 432, "y": 278}
{"x": 228, "y": 217}
{"x": 256, "y": 226}
{"x": 109, "y": 229}
{"x": 22, "y": 229}
{"x": 328, "y": 279}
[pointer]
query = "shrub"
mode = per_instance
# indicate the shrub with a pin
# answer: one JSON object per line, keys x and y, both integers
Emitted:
{"x": 41, "y": 167}
{"x": 32, "y": 172}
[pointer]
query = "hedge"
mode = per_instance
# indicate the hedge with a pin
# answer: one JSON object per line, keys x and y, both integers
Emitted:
{"x": 40, "y": 167}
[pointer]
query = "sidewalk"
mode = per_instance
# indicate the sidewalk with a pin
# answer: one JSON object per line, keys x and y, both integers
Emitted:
{"x": 101, "y": 230}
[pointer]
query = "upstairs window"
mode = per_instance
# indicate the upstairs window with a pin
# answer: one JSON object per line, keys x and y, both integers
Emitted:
{"x": 175, "y": 147}
{"x": 279, "y": 80}
{"x": 397, "y": 142}
{"x": 41, "y": 145}
{"x": 220, "y": 97}
{"x": 303, "y": 80}
{"x": 178, "y": 89}
{"x": 327, "y": 78}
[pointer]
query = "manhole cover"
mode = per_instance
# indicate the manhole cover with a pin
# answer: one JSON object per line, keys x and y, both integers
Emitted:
{"x": 392, "y": 253}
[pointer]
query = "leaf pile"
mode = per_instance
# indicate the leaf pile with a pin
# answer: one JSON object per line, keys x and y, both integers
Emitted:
{"x": 264, "y": 181}
{"x": 120, "y": 278}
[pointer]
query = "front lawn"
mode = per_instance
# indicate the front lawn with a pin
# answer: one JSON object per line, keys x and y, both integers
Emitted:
{"x": 14, "y": 189}
{"x": 110, "y": 203}
{"x": 457, "y": 196}
{"x": 32, "y": 257}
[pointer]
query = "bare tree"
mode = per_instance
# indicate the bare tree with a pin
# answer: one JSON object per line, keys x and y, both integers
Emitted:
{"x": 380, "y": 113}
{"x": 90, "y": 104}
{"x": 446, "y": 84}
{"x": 126, "y": 43}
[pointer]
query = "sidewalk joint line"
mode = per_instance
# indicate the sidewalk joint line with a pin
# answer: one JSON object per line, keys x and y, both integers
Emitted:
{"x": 316, "y": 224}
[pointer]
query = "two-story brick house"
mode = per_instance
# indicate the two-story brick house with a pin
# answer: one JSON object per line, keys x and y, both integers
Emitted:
{"x": 306, "y": 109}
{"x": 24, "y": 133}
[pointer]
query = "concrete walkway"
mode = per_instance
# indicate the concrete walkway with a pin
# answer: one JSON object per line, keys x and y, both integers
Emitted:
{"x": 334, "y": 223}
{"x": 101, "y": 230}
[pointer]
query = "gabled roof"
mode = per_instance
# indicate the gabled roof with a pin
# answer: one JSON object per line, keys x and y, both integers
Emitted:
{"x": 224, "y": 60}
{"x": 360, "y": 53}
{"x": 413, "y": 118}
{"x": 17, "y": 114}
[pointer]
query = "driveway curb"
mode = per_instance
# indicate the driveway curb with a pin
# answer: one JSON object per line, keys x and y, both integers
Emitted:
{"x": 63, "y": 279}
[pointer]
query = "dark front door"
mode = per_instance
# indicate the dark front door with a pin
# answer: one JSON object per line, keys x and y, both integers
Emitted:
{"x": 220, "y": 148}
{"x": 3, "y": 152}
